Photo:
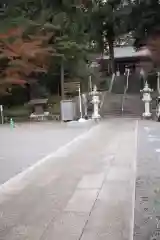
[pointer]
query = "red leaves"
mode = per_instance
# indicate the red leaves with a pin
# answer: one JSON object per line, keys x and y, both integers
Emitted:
{"x": 11, "y": 33}
{"x": 153, "y": 45}
{"x": 12, "y": 80}
{"x": 17, "y": 81}
{"x": 25, "y": 55}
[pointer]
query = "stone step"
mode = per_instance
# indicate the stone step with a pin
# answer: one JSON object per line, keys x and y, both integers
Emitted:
{"x": 133, "y": 105}
{"x": 124, "y": 114}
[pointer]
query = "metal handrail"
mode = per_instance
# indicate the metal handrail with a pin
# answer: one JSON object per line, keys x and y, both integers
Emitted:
{"x": 112, "y": 81}
{"x": 102, "y": 101}
{"x": 109, "y": 91}
{"x": 125, "y": 91}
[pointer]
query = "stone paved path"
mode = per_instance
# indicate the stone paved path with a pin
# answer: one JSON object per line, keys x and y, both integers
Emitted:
{"x": 84, "y": 192}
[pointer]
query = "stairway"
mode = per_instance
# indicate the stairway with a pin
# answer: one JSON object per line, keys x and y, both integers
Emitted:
{"x": 124, "y": 99}
{"x": 134, "y": 84}
{"x": 133, "y": 105}
{"x": 112, "y": 106}
{"x": 118, "y": 85}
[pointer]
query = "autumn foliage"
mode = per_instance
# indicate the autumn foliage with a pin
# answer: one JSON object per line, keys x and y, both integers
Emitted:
{"x": 153, "y": 45}
{"x": 24, "y": 54}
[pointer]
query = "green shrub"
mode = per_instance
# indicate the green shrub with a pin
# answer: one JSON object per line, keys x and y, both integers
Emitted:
{"x": 20, "y": 111}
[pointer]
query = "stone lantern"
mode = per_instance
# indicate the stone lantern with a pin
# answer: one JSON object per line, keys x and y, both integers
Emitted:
{"x": 95, "y": 101}
{"x": 147, "y": 100}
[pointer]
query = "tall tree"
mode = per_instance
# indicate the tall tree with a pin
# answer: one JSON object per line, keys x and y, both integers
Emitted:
{"x": 108, "y": 20}
{"x": 144, "y": 18}
{"x": 65, "y": 19}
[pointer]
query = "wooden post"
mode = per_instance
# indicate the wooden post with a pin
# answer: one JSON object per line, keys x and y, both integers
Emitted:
{"x": 80, "y": 102}
{"x": 2, "y": 116}
{"x": 62, "y": 79}
{"x": 158, "y": 83}
{"x": 90, "y": 83}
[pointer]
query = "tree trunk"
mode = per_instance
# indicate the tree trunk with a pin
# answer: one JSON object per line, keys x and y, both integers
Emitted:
{"x": 111, "y": 55}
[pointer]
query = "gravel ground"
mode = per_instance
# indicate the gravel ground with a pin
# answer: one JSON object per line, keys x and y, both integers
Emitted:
{"x": 147, "y": 205}
{"x": 26, "y": 144}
